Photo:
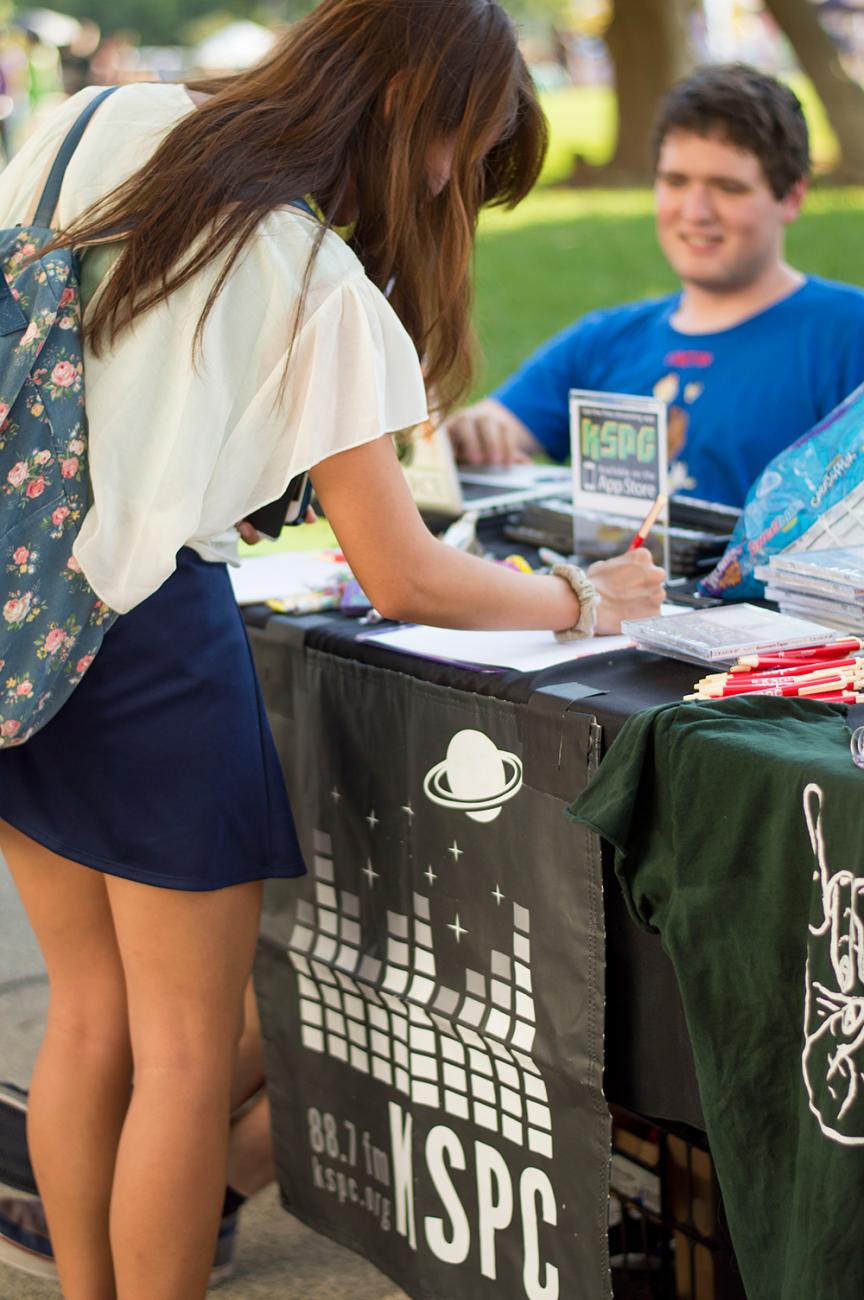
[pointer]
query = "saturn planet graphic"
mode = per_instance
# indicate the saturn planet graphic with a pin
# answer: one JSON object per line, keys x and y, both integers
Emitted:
{"x": 475, "y": 777}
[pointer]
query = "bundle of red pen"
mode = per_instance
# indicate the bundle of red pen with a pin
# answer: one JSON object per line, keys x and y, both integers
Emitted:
{"x": 833, "y": 671}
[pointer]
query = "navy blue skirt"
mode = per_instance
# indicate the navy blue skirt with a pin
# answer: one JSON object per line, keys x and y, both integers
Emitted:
{"x": 161, "y": 766}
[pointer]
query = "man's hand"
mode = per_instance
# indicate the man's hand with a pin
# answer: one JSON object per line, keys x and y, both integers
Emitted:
{"x": 629, "y": 586}
{"x": 488, "y": 434}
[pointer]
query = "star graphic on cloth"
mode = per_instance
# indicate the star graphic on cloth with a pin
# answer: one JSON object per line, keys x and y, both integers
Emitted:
{"x": 456, "y": 851}
{"x": 497, "y": 895}
{"x": 370, "y": 873}
{"x": 406, "y": 808}
{"x": 457, "y": 928}
{"x": 430, "y": 875}
{"x": 335, "y": 795}
{"x": 372, "y": 819}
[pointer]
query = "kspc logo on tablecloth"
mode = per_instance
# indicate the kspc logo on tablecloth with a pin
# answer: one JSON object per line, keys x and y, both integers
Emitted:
{"x": 475, "y": 777}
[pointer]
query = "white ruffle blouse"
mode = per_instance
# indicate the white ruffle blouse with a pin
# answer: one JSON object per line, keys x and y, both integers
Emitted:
{"x": 179, "y": 452}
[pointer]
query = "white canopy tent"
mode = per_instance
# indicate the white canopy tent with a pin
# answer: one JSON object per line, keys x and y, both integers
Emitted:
{"x": 51, "y": 27}
{"x": 238, "y": 45}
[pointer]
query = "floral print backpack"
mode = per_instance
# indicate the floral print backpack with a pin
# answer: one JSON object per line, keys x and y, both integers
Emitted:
{"x": 52, "y": 622}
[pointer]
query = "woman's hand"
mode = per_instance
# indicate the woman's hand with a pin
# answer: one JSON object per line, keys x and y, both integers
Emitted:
{"x": 629, "y": 586}
{"x": 248, "y": 532}
{"x": 250, "y": 535}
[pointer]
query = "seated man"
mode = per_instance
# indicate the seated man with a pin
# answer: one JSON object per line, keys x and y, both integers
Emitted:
{"x": 750, "y": 353}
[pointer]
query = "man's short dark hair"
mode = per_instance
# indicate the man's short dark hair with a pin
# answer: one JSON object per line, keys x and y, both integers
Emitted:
{"x": 747, "y": 109}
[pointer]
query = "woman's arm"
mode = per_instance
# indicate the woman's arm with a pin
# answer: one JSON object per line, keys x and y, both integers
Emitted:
{"x": 407, "y": 574}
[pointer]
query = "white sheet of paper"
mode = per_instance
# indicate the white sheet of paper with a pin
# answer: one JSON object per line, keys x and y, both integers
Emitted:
{"x": 526, "y": 651}
{"x": 272, "y": 577}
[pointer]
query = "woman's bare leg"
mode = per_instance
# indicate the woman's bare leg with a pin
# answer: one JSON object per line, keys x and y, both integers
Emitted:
{"x": 250, "y": 1150}
{"x": 251, "y": 1166}
{"x": 80, "y": 1088}
{"x": 186, "y": 957}
{"x": 249, "y": 1070}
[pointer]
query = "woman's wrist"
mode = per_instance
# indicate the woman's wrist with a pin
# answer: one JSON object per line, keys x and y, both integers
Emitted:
{"x": 586, "y": 593}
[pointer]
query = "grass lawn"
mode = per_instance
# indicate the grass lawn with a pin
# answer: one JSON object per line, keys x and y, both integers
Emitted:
{"x": 564, "y": 252}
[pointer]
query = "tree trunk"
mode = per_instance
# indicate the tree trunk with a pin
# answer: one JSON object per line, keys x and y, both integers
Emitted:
{"x": 649, "y": 44}
{"x": 818, "y": 56}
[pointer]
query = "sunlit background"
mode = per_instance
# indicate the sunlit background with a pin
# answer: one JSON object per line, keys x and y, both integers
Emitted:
{"x": 585, "y": 238}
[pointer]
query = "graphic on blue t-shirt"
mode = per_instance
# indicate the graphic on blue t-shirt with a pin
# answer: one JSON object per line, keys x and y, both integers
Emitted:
{"x": 736, "y": 398}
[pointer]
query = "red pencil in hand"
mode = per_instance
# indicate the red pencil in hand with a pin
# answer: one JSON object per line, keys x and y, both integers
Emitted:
{"x": 648, "y": 522}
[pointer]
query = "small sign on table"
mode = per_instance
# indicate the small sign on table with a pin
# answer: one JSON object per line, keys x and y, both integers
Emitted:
{"x": 620, "y": 464}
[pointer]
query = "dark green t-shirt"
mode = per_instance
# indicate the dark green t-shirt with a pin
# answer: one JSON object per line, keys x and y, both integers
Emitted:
{"x": 739, "y": 834}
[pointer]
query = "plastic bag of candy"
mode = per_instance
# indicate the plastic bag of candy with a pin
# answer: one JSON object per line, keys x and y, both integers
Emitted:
{"x": 810, "y": 497}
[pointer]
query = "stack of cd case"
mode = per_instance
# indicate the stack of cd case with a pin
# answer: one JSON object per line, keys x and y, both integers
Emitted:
{"x": 698, "y": 532}
{"x": 722, "y": 635}
{"x": 825, "y": 585}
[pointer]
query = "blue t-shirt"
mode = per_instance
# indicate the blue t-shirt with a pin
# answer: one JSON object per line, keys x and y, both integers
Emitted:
{"x": 735, "y": 398}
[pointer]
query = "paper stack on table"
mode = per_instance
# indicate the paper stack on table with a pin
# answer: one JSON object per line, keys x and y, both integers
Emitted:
{"x": 526, "y": 651}
{"x": 826, "y": 585}
{"x": 294, "y": 578}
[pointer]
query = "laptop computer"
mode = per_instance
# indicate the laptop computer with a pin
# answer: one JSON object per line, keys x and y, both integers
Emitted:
{"x": 444, "y": 491}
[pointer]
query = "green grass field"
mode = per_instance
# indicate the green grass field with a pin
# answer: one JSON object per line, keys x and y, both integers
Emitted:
{"x": 564, "y": 252}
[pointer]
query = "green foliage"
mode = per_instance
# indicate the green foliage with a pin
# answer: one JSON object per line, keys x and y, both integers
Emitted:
{"x": 538, "y": 10}
{"x": 161, "y": 22}
{"x": 199, "y": 29}
{"x": 156, "y": 21}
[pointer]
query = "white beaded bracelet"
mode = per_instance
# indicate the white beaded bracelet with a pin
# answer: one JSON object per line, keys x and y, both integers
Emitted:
{"x": 588, "y": 598}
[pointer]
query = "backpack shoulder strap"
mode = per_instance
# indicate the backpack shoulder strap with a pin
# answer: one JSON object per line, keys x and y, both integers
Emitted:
{"x": 306, "y": 207}
{"x": 51, "y": 193}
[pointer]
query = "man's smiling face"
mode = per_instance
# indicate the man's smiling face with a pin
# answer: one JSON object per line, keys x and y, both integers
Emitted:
{"x": 718, "y": 221}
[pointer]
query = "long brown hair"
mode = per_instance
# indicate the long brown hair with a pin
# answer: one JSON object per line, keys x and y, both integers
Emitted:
{"x": 345, "y": 108}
